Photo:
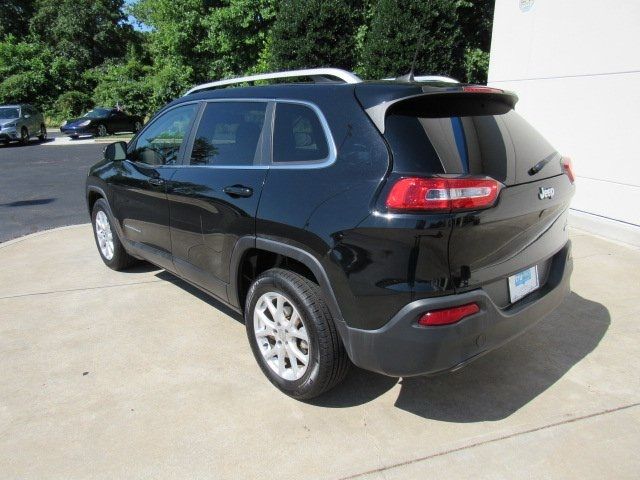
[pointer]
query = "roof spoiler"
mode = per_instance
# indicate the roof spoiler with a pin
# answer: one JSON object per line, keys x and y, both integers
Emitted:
{"x": 379, "y": 112}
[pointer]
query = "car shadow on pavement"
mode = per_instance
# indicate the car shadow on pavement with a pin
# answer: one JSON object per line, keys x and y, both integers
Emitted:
{"x": 498, "y": 384}
{"x": 196, "y": 292}
{"x": 32, "y": 143}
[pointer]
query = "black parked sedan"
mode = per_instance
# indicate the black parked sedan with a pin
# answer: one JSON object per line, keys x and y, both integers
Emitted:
{"x": 101, "y": 122}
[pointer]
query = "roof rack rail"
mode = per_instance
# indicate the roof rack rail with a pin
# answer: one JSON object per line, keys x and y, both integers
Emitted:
{"x": 430, "y": 78}
{"x": 318, "y": 74}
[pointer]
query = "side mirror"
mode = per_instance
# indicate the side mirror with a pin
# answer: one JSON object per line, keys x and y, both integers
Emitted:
{"x": 115, "y": 152}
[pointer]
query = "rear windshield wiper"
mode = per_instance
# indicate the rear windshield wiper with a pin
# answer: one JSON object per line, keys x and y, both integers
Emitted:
{"x": 541, "y": 164}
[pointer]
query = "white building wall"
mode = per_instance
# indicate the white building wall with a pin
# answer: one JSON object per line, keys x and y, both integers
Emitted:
{"x": 575, "y": 64}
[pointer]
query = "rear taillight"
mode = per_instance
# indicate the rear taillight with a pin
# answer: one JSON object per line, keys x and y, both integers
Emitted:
{"x": 447, "y": 316}
{"x": 443, "y": 194}
{"x": 567, "y": 167}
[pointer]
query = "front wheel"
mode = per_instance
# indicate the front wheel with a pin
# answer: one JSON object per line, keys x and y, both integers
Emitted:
{"x": 137, "y": 127}
{"x": 292, "y": 334}
{"x": 24, "y": 136}
{"x": 102, "y": 131}
{"x": 109, "y": 246}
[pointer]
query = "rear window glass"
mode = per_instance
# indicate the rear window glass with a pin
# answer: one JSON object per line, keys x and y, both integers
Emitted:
{"x": 298, "y": 135}
{"x": 465, "y": 136}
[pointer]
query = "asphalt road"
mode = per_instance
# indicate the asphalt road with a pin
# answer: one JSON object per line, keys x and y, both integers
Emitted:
{"x": 42, "y": 186}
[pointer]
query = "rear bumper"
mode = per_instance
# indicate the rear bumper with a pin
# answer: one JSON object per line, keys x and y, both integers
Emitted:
{"x": 401, "y": 348}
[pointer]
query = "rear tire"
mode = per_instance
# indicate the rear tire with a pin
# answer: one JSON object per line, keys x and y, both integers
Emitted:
{"x": 109, "y": 245}
{"x": 43, "y": 133}
{"x": 302, "y": 304}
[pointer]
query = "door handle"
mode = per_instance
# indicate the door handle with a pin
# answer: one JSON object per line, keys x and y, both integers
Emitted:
{"x": 156, "y": 181}
{"x": 238, "y": 191}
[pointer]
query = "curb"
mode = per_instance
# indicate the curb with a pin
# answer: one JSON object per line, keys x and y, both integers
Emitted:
{"x": 13, "y": 241}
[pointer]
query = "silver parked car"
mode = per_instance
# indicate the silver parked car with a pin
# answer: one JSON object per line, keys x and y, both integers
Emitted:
{"x": 21, "y": 122}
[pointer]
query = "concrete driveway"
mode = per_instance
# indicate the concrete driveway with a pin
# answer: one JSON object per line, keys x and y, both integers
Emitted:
{"x": 137, "y": 375}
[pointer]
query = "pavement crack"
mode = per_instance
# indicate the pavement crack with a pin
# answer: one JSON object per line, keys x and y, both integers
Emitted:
{"x": 492, "y": 440}
{"x": 78, "y": 289}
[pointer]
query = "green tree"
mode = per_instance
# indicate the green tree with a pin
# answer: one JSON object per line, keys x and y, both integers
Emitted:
{"x": 84, "y": 31}
{"x": 395, "y": 30}
{"x": 176, "y": 32}
{"x": 25, "y": 74}
{"x": 476, "y": 20}
{"x": 313, "y": 33}
{"x": 236, "y": 35}
{"x": 14, "y": 17}
{"x": 125, "y": 83}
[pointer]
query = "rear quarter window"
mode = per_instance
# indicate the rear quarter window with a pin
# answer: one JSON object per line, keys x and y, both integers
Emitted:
{"x": 298, "y": 135}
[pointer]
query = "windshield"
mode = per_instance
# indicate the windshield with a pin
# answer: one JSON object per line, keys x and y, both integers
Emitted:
{"x": 97, "y": 113}
{"x": 9, "y": 113}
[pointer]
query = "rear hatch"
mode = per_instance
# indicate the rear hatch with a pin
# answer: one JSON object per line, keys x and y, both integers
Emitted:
{"x": 477, "y": 134}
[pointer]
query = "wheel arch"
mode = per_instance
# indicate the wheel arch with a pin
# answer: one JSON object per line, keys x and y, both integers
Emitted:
{"x": 246, "y": 245}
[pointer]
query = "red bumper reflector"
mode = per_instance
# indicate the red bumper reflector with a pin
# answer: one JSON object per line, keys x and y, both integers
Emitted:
{"x": 567, "y": 167}
{"x": 481, "y": 89}
{"x": 447, "y": 316}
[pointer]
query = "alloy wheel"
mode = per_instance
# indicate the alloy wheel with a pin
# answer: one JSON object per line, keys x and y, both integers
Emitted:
{"x": 281, "y": 336}
{"x": 104, "y": 235}
{"x": 102, "y": 131}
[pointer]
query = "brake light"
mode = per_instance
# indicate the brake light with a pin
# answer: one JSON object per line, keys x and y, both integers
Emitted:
{"x": 447, "y": 316}
{"x": 567, "y": 167}
{"x": 481, "y": 89}
{"x": 443, "y": 194}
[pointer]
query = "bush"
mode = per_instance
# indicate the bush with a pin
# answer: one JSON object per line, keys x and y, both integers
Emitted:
{"x": 71, "y": 104}
{"x": 476, "y": 65}
{"x": 123, "y": 83}
{"x": 22, "y": 88}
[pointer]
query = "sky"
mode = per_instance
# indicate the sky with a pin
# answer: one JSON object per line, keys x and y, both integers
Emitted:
{"x": 138, "y": 26}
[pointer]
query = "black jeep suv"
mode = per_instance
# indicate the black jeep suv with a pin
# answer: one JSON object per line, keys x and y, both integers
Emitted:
{"x": 406, "y": 227}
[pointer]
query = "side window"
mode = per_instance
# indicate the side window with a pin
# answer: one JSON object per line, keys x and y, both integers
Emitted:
{"x": 229, "y": 134}
{"x": 298, "y": 135}
{"x": 160, "y": 143}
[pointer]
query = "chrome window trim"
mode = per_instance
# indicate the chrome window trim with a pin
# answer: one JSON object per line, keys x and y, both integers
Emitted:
{"x": 189, "y": 146}
{"x": 322, "y": 163}
{"x": 131, "y": 145}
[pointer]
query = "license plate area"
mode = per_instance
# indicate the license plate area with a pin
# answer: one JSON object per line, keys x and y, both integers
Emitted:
{"x": 523, "y": 283}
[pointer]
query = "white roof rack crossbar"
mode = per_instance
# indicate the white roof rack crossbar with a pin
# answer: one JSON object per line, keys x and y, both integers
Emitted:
{"x": 318, "y": 73}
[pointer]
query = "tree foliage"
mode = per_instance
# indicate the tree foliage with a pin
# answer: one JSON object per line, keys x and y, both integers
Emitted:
{"x": 64, "y": 55}
{"x": 399, "y": 27}
{"x": 14, "y": 17}
{"x": 312, "y": 33}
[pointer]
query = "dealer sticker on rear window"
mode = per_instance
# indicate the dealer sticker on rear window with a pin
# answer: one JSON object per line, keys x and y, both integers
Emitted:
{"x": 523, "y": 283}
